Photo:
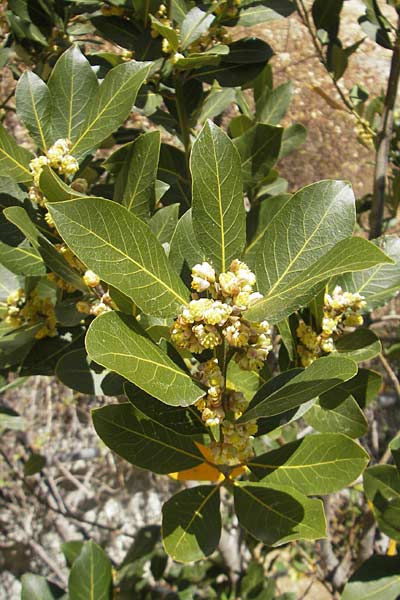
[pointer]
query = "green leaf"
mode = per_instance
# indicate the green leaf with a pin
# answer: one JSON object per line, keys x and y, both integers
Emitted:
{"x": 117, "y": 342}
{"x": 172, "y": 170}
{"x": 186, "y": 421}
{"x": 382, "y": 488}
{"x": 122, "y": 250}
{"x": 184, "y": 250}
{"x": 287, "y": 294}
{"x": 265, "y": 12}
{"x": 293, "y": 136}
{"x": 14, "y": 159}
{"x": 35, "y": 587}
{"x": 73, "y": 85}
{"x": 195, "y": 23}
{"x": 259, "y": 150}
{"x": 8, "y": 283}
{"x": 379, "y": 283}
{"x": 164, "y": 221}
{"x": 71, "y": 550}
{"x": 142, "y": 442}
{"x": 303, "y": 229}
{"x": 90, "y": 575}
{"x": 137, "y": 178}
{"x": 278, "y": 515}
{"x": 34, "y": 107}
{"x": 218, "y": 208}
{"x": 22, "y": 259}
{"x": 395, "y": 450}
{"x": 216, "y": 102}
{"x": 273, "y": 105}
{"x": 53, "y": 259}
{"x": 337, "y": 411}
{"x": 377, "y": 578}
{"x": 191, "y": 525}
{"x": 53, "y": 187}
{"x": 75, "y": 370}
{"x": 239, "y": 125}
{"x": 364, "y": 386}
{"x": 319, "y": 377}
{"x": 166, "y": 32}
{"x": 326, "y": 16}
{"x": 111, "y": 105}
{"x": 314, "y": 465}
{"x": 262, "y": 216}
{"x": 360, "y": 345}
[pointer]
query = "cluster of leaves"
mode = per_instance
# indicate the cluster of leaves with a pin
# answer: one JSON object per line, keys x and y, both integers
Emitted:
{"x": 91, "y": 573}
{"x": 143, "y": 217}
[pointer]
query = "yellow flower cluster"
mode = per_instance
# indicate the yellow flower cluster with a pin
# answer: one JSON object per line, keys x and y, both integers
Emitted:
{"x": 210, "y": 321}
{"x": 73, "y": 262}
{"x": 341, "y": 311}
{"x": 230, "y": 8}
{"x": 57, "y": 157}
{"x": 29, "y": 311}
{"x": 96, "y": 308}
{"x": 221, "y": 407}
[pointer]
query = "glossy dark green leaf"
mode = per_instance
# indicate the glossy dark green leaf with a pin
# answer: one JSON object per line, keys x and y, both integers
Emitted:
{"x": 379, "y": 283}
{"x": 142, "y": 442}
{"x": 317, "y": 464}
{"x": 319, "y": 377}
{"x": 191, "y": 525}
{"x": 194, "y": 25}
{"x": 71, "y": 550}
{"x": 259, "y": 149}
{"x": 276, "y": 515}
{"x": 117, "y": 342}
{"x": 337, "y": 411}
{"x": 360, "y": 345}
{"x": 35, "y": 587}
{"x": 90, "y": 575}
{"x": 14, "y": 159}
{"x": 186, "y": 421}
{"x": 218, "y": 209}
{"x": 377, "y": 578}
{"x": 137, "y": 178}
{"x": 34, "y": 108}
{"x": 382, "y": 488}
{"x": 239, "y": 125}
{"x": 110, "y": 106}
{"x": 22, "y": 259}
{"x": 73, "y": 86}
{"x": 122, "y": 250}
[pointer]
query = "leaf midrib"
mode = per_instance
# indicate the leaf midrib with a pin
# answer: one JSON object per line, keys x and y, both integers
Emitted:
{"x": 129, "y": 258}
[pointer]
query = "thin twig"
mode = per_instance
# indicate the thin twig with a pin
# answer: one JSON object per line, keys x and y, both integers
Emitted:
{"x": 384, "y": 139}
{"x": 391, "y": 374}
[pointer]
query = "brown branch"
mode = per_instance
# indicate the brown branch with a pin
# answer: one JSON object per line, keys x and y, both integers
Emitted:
{"x": 383, "y": 142}
{"x": 391, "y": 374}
